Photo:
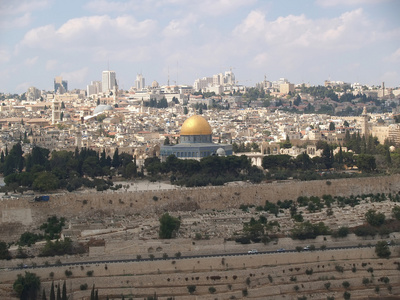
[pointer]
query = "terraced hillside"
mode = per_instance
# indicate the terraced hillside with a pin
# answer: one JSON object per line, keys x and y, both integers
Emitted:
{"x": 357, "y": 273}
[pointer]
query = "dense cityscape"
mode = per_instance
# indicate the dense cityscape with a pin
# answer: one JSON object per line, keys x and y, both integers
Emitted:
{"x": 181, "y": 150}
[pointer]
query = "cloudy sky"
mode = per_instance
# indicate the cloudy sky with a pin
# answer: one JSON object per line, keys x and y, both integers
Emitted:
{"x": 305, "y": 41}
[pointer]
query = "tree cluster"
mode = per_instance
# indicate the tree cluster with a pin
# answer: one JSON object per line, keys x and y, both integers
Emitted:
{"x": 214, "y": 170}
{"x": 63, "y": 169}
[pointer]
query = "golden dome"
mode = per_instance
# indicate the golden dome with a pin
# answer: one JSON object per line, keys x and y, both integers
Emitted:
{"x": 196, "y": 125}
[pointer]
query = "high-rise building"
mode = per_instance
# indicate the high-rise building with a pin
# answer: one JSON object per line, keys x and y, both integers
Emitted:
{"x": 33, "y": 94}
{"x": 108, "y": 81}
{"x": 60, "y": 86}
{"x": 94, "y": 88}
{"x": 139, "y": 82}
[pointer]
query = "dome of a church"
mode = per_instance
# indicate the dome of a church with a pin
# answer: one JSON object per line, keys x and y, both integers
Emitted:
{"x": 196, "y": 125}
{"x": 101, "y": 108}
{"x": 154, "y": 84}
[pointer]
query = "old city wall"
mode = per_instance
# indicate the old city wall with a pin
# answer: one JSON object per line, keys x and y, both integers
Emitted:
{"x": 157, "y": 201}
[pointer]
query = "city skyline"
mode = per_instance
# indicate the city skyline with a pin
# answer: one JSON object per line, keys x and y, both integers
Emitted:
{"x": 304, "y": 41}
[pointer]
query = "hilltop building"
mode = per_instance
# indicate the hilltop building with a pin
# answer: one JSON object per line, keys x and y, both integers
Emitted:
{"x": 195, "y": 142}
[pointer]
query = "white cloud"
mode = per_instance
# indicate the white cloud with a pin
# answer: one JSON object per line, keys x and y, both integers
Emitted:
{"x": 51, "y": 64}
{"x": 205, "y": 7}
{"x": 76, "y": 77}
{"x": 4, "y": 56}
{"x": 23, "y": 86}
{"x": 179, "y": 28}
{"x": 88, "y": 32}
{"x": 31, "y": 61}
{"x": 394, "y": 57}
{"x": 351, "y": 29}
{"x": 329, "y": 3}
{"x": 391, "y": 76}
{"x": 22, "y": 21}
{"x": 22, "y": 6}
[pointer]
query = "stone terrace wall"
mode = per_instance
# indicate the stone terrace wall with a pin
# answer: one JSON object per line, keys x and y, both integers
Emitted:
{"x": 100, "y": 204}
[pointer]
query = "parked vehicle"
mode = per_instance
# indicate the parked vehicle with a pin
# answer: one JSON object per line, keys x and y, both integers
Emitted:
{"x": 42, "y": 198}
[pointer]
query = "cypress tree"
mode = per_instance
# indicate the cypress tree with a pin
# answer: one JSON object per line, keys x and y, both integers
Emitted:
{"x": 58, "y": 292}
{"x": 64, "y": 292}
{"x": 92, "y": 293}
{"x": 52, "y": 294}
{"x": 44, "y": 295}
{"x": 96, "y": 296}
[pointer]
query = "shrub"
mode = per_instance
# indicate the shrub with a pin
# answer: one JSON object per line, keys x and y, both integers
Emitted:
{"x": 68, "y": 273}
{"x": 89, "y": 273}
{"x": 309, "y": 271}
{"x": 296, "y": 288}
{"x": 346, "y": 295}
{"x": 151, "y": 256}
{"x": 346, "y": 284}
{"x": 212, "y": 289}
{"x": 370, "y": 270}
{"x": 138, "y": 256}
{"x": 165, "y": 256}
{"x": 327, "y": 285}
{"x": 293, "y": 278}
{"x": 382, "y": 249}
{"x": 83, "y": 287}
{"x": 191, "y": 289}
{"x": 178, "y": 254}
{"x": 365, "y": 281}
{"x": 245, "y": 292}
{"x": 338, "y": 268}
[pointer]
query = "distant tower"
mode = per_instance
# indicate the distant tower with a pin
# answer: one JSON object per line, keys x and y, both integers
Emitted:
{"x": 108, "y": 81}
{"x": 139, "y": 82}
{"x": 364, "y": 122}
{"x": 56, "y": 111}
{"x": 383, "y": 89}
{"x": 60, "y": 86}
{"x": 78, "y": 139}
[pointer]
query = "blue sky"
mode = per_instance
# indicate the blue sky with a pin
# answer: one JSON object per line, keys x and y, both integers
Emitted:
{"x": 305, "y": 41}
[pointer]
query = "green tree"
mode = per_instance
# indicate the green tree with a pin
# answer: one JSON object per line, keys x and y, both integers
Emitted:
{"x": 52, "y": 293}
{"x": 46, "y": 181}
{"x": 185, "y": 110}
{"x": 396, "y": 212}
{"x": 115, "y": 161}
{"x": 332, "y": 126}
{"x": 365, "y": 162}
{"x": 58, "y": 292}
{"x": 4, "y": 253}
{"x": 375, "y": 219}
{"x": 382, "y": 249}
{"x": 169, "y": 225}
{"x": 27, "y": 286}
{"x": 64, "y": 292}
{"x": 14, "y": 161}
{"x": 191, "y": 289}
{"x": 44, "y": 295}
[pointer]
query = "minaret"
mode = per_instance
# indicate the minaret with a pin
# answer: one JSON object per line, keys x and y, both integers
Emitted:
{"x": 364, "y": 122}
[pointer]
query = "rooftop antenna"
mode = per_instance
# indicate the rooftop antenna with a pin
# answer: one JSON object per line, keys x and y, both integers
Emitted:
{"x": 177, "y": 73}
